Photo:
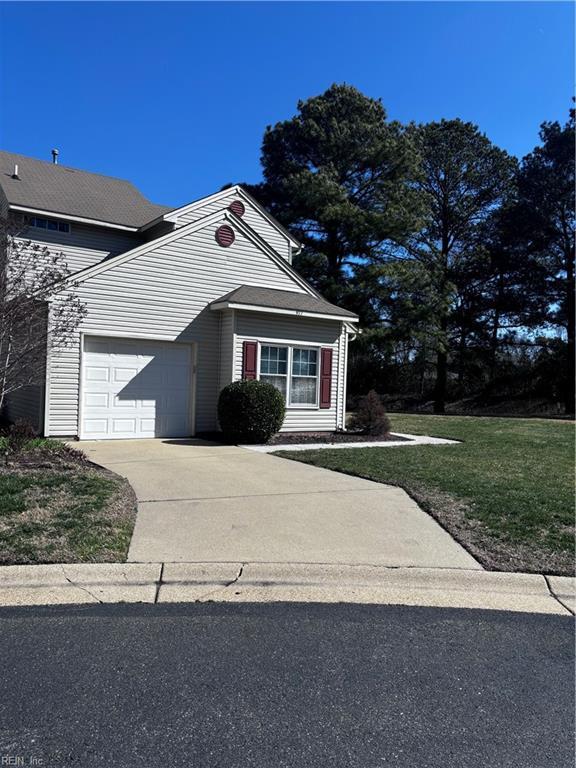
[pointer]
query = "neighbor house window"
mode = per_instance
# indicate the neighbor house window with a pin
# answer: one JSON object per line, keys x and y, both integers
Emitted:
{"x": 50, "y": 224}
{"x": 292, "y": 370}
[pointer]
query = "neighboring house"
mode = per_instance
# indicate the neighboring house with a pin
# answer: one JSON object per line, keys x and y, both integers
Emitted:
{"x": 180, "y": 302}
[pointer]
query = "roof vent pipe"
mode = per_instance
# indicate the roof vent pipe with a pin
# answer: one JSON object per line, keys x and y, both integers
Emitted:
{"x": 15, "y": 174}
{"x": 55, "y": 154}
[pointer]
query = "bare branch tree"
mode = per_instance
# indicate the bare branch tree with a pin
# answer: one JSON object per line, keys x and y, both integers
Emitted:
{"x": 39, "y": 309}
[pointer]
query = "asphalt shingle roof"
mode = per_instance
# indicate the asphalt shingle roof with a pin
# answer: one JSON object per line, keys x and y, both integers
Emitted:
{"x": 59, "y": 189}
{"x": 253, "y": 295}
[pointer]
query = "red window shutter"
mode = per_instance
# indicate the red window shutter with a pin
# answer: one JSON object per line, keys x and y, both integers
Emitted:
{"x": 249, "y": 360}
{"x": 325, "y": 377}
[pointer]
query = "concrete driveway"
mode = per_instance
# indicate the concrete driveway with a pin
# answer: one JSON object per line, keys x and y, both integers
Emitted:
{"x": 202, "y": 502}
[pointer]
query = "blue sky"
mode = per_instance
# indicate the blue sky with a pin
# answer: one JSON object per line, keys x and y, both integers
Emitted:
{"x": 176, "y": 96}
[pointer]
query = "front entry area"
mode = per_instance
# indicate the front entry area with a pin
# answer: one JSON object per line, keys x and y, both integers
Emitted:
{"x": 135, "y": 388}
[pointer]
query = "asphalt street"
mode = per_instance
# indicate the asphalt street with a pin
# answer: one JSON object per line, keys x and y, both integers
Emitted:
{"x": 210, "y": 685}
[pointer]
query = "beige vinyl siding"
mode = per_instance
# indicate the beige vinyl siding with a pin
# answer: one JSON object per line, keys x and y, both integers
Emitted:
{"x": 292, "y": 331}
{"x": 84, "y": 245}
{"x": 252, "y": 216}
{"x": 27, "y": 404}
{"x": 163, "y": 294}
{"x": 227, "y": 333}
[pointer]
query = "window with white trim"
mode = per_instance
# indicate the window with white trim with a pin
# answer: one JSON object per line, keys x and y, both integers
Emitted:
{"x": 293, "y": 371}
{"x": 274, "y": 367}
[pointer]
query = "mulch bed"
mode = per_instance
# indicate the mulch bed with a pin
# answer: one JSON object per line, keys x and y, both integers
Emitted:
{"x": 299, "y": 438}
{"x": 59, "y": 457}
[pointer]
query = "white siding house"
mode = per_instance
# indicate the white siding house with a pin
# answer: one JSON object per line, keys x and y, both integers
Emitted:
{"x": 171, "y": 319}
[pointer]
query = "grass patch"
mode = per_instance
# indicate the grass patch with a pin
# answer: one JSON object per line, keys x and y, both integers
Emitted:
{"x": 506, "y": 492}
{"x": 56, "y": 507}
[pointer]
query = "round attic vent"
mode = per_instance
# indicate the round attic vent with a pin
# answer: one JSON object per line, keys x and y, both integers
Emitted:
{"x": 237, "y": 207}
{"x": 225, "y": 236}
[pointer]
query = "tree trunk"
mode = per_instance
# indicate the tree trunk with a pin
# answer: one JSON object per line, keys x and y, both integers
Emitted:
{"x": 422, "y": 370}
{"x": 441, "y": 370}
{"x": 461, "y": 353}
{"x": 569, "y": 396}
{"x": 495, "y": 329}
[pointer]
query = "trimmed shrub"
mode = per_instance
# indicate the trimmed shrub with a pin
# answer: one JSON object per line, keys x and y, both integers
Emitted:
{"x": 250, "y": 411}
{"x": 370, "y": 417}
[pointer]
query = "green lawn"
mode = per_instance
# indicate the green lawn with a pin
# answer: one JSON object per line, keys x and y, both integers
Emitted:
{"x": 506, "y": 492}
{"x": 56, "y": 507}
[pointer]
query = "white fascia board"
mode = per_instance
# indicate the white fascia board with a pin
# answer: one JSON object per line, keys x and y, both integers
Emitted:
{"x": 157, "y": 220}
{"x": 268, "y": 216}
{"x": 70, "y": 217}
{"x": 177, "y": 212}
{"x": 122, "y": 258}
{"x": 173, "y": 215}
{"x": 278, "y": 311}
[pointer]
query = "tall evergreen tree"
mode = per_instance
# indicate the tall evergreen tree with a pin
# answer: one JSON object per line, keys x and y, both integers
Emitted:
{"x": 463, "y": 179}
{"x": 336, "y": 173}
{"x": 546, "y": 209}
{"x": 516, "y": 290}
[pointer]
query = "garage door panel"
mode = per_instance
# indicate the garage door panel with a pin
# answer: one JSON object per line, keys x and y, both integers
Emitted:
{"x": 175, "y": 356}
{"x": 96, "y": 399}
{"x": 124, "y": 425}
{"x": 94, "y": 373}
{"x": 122, "y": 375}
{"x": 174, "y": 402}
{"x": 120, "y": 402}
{"x": 135, "y": 389}
{"x": 95, "y": 426}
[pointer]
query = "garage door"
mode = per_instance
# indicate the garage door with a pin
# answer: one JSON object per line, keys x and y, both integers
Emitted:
{"x": 135, "y": 389}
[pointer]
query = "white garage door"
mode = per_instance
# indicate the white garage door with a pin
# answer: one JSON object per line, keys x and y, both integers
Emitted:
{"x": 135, "y": 389}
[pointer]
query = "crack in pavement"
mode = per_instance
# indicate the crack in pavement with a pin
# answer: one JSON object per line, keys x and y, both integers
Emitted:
{"x": 79, "y": 586}
{"x": 555, "y": 596}
{"x": 218, "y": 588}
{"x": 383, "y": 487}
{"x": 159, "y": 583}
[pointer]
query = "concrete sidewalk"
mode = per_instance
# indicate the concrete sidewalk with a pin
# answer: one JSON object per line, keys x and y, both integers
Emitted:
{"x": 22, "y": 585}
{"x": 202, "y": 502}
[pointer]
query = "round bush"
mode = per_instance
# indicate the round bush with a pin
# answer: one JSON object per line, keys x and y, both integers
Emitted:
{"x": 250, "y": 411}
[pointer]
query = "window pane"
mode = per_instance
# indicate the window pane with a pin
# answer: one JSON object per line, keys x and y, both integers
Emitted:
{"x": 302, "y": 391}
{"x": 273, "y": 360}
{"x": 304, "y": 362}
{"x": 52, "y": 224}
{"x": 63, "y": 226}
{"x": 278, "y": 381}
{"x": 40, "y": 223}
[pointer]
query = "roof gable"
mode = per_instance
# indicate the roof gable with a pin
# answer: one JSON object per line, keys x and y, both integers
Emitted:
{"x": 210, "y": 220}
{"x": 237, "y": 191}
